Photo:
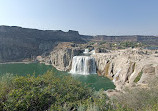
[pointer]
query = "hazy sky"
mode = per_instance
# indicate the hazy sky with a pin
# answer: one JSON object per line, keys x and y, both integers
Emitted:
{"x": 93, "y": 17}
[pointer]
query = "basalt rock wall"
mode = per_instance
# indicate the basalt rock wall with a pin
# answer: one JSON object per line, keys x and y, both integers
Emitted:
{"x": 17, "y": 43}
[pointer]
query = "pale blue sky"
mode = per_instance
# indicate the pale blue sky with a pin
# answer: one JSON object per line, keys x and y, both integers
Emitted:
{"x": 92, "y": 17}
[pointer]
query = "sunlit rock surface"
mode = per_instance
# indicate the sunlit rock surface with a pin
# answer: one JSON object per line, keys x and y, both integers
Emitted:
{"x": 124, "y": 66}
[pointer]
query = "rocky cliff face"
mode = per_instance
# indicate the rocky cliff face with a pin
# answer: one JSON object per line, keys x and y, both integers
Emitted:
{"x": 18, "y": 43}
{"x": 128, "y": 66}
{"x": 61, "y": 56}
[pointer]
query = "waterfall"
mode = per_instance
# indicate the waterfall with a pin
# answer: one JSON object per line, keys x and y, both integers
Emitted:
{"x": 84, "y": 65}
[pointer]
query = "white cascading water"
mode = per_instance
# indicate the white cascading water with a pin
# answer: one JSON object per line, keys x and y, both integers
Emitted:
{"x": 84, "y": 65}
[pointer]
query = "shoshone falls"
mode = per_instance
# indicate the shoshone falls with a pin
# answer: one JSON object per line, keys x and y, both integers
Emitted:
{"x": 84, "y": 65}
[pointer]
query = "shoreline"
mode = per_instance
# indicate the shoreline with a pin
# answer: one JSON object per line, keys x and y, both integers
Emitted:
{"x": 17, "y": 62}
{"x": 25, "y": 62}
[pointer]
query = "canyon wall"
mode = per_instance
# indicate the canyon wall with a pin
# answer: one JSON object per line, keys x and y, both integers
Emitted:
{"x": 17, "y": 43}
{"x": 150, "y": 40}
{"x": 126, "y": 66}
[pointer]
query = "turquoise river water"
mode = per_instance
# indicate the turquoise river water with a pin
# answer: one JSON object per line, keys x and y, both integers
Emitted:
{"x": 22, "y": 69}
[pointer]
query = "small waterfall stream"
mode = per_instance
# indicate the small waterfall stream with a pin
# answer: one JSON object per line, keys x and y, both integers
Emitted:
{"x": 84, "y": 65}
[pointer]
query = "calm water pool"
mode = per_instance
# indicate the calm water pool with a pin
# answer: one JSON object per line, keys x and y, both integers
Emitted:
{"x": 93, "y": 80}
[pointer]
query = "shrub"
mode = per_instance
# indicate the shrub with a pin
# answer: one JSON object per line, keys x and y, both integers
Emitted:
{"x": 47, "y": 92}
{"x": 54, "y": 93}
{"x": 5, "y": 87}
{"x": 29, "y": 93}
{"x": 138, "y": 77}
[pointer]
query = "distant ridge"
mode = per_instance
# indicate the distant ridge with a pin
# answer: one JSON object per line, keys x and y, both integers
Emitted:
{"x": 17, "y": 43}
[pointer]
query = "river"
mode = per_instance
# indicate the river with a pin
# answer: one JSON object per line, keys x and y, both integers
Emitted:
{"x": 22, "y": 69}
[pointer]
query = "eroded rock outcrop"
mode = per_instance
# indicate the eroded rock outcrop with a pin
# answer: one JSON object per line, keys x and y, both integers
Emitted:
{"x": 127, "y": 66}
{"x": 61, "y": 56}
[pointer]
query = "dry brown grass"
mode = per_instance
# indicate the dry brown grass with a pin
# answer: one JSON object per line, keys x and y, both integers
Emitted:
{"x": 141, "y": 99}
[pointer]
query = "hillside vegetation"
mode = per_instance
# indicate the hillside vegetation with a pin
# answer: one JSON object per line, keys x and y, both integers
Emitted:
{"x": 51, "y": 93}
{"x": 47, "y": 92}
